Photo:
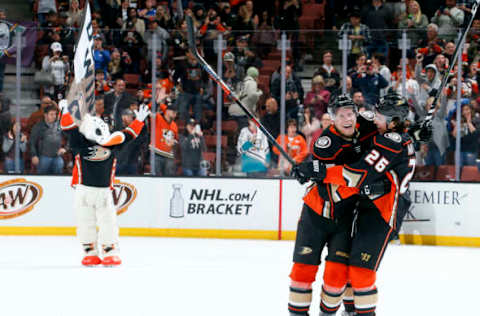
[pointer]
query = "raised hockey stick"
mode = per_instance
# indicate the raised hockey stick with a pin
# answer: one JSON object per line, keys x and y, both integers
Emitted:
{"x": 428, "y": 118}
{"x": 226, "y": 89}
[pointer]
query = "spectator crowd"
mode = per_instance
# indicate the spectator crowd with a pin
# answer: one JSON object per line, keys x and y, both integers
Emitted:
{"x": 183, "y": 139}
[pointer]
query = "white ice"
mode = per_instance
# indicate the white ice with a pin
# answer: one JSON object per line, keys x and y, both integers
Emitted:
{"x": 209, "y": 277}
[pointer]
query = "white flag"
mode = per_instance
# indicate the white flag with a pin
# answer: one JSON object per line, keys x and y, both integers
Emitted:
{"x": 81, "y": 94}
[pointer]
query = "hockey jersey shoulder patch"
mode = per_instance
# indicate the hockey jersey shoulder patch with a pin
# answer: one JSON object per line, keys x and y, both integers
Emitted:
{"x": 394, "y": 136}
{"x": 389, "y": 141}
{"x": 323, "y": 142}
{"x": 368, "y": 115}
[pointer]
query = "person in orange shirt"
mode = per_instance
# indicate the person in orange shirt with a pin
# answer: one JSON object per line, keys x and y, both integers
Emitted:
{"x": 294, "y": 144}
{"x": 166, "y": 137}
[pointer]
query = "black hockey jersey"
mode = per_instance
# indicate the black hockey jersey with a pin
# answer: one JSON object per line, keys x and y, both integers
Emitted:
{"x": 97, "y": 170}
{"x": 332, "y": 148}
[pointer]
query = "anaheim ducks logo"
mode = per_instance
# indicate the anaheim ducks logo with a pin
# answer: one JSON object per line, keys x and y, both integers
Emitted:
{"x": 123, "y": 195}
{"x": 18, "y": 197}
{"x": 99, "y": 153}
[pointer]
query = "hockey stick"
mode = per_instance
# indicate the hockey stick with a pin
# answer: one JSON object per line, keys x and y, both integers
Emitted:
{"x": 226, "y": 89}
{"x": 428, "y": 118}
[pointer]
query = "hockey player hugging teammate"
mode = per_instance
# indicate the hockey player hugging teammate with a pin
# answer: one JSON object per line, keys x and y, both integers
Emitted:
{"x": 380, "y": 178}
{"x": 94, "y": 149}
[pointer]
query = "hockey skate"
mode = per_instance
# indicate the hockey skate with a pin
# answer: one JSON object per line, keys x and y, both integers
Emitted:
{"x": 110, "y": 256}
{"x": 91, "y": 257}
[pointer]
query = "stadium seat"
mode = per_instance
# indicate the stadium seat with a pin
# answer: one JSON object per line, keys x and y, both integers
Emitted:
{"x": 211, "y": 141}
{"x": 229, "y": 127}
{"x": 132, "y": 80}
{"x": 271, "y": 63}
{"x": 446, "y": 173}
{"x": 470, "y": 173}
{"x": 313, "y": 10}
{"x": 425, "y": 173}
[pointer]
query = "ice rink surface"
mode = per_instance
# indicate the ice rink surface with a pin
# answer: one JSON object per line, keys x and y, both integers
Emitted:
{"x": 211, "y": 277}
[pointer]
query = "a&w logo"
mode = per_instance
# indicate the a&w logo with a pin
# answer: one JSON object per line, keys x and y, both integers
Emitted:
{"x": 123, "y": 195}
{"x": 17, "y": 197}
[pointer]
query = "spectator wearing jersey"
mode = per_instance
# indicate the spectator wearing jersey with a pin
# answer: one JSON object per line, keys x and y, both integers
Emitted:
{"x": 46, "y": 144}
{"x": 253, "y": 147}
{"x": 166, "y": 137}
{"x": 192, "y": 79}
{"x": 192, "y": 146}
{"x": 9, "y": 147}
{"x": 101, "y": 56}
{"x": 293, "y": 144}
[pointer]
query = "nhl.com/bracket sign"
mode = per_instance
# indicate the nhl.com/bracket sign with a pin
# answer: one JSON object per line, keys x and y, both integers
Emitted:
{"x": 211, "y": 201}
{"x": 18, "y": 197}
{"x": 123, "y": 195}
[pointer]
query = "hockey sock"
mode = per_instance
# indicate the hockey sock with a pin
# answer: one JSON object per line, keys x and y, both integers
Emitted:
{"x": 334, "y": 282}
{"x": 366, "y": 302}
{"x": 365, "y": 294}
{"x": 300, "y": 298}
{"x": 348, "y": 299}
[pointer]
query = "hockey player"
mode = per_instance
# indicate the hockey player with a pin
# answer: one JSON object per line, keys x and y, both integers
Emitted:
{"x": 380, "y": 207}
{"x": 323, "y": 221}
{"x": 94, "y": 149}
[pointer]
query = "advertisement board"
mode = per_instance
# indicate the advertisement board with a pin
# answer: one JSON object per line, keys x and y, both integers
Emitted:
{"x": 440, "y": 214}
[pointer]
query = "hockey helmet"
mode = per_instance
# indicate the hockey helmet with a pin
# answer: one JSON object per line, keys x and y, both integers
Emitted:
{"x": 392, "y": 106}
{"x": 342, "y": 100}
{"x": 96, "y": 130}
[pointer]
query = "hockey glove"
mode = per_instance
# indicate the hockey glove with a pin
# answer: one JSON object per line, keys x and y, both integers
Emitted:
{"x": 421, "y": 131}
{"x": 63, "y": 105}
{"x": 142, "y": 113}
{"x": 310, "y": 170}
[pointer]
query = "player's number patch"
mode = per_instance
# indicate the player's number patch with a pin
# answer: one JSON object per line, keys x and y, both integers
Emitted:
{"x": 380, "y": 163}
{"x": 323, "y": 142}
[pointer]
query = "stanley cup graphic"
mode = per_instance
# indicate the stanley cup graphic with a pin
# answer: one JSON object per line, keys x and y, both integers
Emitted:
{"x": 177, "y": 202}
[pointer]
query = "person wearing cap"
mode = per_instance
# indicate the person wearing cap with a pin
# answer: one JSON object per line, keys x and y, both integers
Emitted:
{"x": 370, "y": 82}
{"x": 59, "y": 66}
{"x": 358, "y": 33}
{"x": 248, "y": 95}
{"x": 44, "y": 8}
{"x": 232, "y": 74}
{"x": 101, "y": 56}
{"x": 166, "y": 138}
{"x": 192, "y": 146}
{"x": 162, "y": 40}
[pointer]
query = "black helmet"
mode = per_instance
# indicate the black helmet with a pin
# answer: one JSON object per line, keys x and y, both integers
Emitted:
{"x": 393, "y": 105}
{"x": 340, "y": 101}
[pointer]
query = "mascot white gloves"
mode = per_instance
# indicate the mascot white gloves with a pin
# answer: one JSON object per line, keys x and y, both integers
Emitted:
{"x": 142, "y": 113}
